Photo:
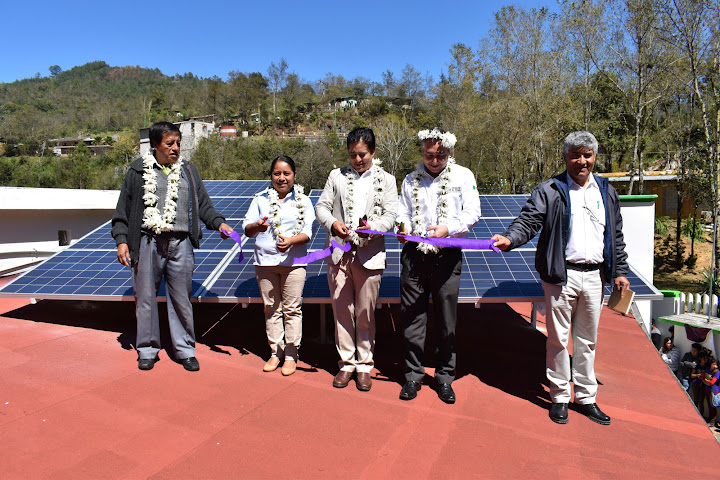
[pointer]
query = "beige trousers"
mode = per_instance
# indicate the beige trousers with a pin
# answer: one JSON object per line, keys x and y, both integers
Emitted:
{"x": 573, "y": 309}
{"x": 354, "y": 290}
{"x": 281, "y": 289}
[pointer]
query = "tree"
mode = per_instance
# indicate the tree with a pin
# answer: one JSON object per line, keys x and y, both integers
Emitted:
{"x": 277, "y": 74}
{"x": 394, "y": 140}
{"x": 55, "y": 70}
{"x": 695, "y": 26}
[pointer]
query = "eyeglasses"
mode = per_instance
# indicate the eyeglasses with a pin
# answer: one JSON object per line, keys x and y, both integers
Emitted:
{"x": 593, "y": 217}
{"x": 439, "y": 156}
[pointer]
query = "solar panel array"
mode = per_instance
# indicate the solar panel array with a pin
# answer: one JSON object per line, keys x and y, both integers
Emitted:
{"x": 89, "y": 268}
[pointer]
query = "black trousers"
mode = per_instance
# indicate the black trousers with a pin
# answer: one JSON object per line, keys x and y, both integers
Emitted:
{"x": 436, "y": 274}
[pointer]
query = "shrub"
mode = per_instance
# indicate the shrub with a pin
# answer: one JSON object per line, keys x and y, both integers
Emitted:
{"x": 662, "y": 225}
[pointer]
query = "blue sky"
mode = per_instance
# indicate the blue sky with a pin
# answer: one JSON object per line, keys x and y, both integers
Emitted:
{"x": 211, "y": 38}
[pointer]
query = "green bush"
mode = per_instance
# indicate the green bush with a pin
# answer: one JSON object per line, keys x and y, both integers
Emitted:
{"x": 693, "y": 229}
{"x": 706, "y": 283}
{"x": 662, "y": 225}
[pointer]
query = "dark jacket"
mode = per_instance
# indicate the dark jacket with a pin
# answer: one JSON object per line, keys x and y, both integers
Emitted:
{"x": 127, "y": 220}
{"x": 549, "y": 209}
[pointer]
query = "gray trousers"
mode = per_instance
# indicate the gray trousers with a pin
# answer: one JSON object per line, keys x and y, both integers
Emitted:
{"x": 170, "y": 256}
{"x": 422, "y": 275}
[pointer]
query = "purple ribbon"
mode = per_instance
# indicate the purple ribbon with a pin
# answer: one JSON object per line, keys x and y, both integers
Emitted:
{"x": 464, "y": 243}
{"x": 238, "y": 239}
{"x": 320, "y": 254}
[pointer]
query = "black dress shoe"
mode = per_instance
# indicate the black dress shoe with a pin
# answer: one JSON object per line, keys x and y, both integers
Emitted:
{"x": 191, "y": 364}
{"x": 147, "y": 363}
{"x": 446, "y": 394}
{"x": 593, "y": 412}
{"x": 409, "y": 390}
{"x": 559, "y": 413}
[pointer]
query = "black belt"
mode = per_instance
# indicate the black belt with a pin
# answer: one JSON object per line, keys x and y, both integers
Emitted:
{"x": 583, "y": 267}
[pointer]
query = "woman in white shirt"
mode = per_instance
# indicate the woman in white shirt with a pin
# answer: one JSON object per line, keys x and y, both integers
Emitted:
{"x": 280, "y": 218}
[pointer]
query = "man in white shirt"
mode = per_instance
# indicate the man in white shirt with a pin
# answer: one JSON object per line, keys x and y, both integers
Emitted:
{"x": 581, "y": 246}
{"x": 438, "y": 199}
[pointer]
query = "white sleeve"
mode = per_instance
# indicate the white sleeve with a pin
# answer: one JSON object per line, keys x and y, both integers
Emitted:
{"x": 470, "y": 213}
{"x": 252, "y": 215}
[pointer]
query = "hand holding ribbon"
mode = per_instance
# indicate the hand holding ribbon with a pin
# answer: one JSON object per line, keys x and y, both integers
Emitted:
{"x": 238, "y": 239}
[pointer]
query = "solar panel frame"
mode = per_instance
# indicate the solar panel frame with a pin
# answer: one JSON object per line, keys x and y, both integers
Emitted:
{"x": 88, "y": 269}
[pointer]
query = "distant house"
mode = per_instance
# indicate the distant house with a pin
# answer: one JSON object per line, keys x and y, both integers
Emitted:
{"x": 65, "y": 146}
{"x": 345, "y": 102}
{"x": 662, "y": 183}
{"x": 192, "y": 131}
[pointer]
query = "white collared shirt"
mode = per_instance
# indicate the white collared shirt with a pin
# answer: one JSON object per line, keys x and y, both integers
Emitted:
{"x": 363, "y": 186}
{"x": 464, "y": 200}
{"x": 587, "y": 223}
{"x": 266, "y": 252}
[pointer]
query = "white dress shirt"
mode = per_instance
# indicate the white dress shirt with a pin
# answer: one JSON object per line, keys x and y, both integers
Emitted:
{"x": 266, "y": 252}
{"x": 464, "y": 201}
{"x": 361, "y": 189}
{"x": 587, "y": 223}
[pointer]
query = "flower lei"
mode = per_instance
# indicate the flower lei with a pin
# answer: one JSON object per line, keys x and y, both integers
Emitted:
{"x": 275, "y": 211}
{"x": 377, "y": 193}
{"x": 152, "y": 218}
{"x": 447, "y": 139}
{"x": 441, "y": 211}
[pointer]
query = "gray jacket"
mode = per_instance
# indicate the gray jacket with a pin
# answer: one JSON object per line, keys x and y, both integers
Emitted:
{"x": 549, "y": 209}
{"x": 127, "y": 220}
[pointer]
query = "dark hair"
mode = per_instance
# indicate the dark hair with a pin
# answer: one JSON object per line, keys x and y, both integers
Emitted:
{"x": 364, "y": 134}
{"x": 665, "y": 340}
{"x": 159, "y": 129}
{"x": 696, "y": 346}
{"x": 282, "y": 158}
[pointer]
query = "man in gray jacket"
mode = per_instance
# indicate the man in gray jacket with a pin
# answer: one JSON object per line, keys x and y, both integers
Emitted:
{"x": 581, "y": 247}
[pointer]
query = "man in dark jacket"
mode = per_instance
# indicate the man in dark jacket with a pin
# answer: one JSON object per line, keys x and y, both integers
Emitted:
{"x": 155, "y": 226}
{"x": 581, "y": 247}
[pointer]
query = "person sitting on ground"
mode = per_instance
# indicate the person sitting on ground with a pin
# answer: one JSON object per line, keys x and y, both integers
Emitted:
{"x": 688, "y": 362}
{"x": 711, "y": 379}
{"x": 670, "y": 354}
{"x": 697, "y": 388}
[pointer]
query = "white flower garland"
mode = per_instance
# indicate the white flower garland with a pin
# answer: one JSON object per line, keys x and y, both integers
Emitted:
{"x": 152, "y": 219}
{"x": 418, "y": 222}
{"x": 349, "y": 203}
{"x": 275, "y": 211}
{"x": 447, "y": 139}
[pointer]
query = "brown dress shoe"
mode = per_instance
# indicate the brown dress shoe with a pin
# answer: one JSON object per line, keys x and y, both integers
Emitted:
{"x": 364, "y": 381}
{"x": 271, "y": 364}
{"x": 342, "y": 379}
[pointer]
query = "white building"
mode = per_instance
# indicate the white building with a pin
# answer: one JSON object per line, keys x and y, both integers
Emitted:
{"x": 192, "y": 131}
{"x": 33, "y": 217}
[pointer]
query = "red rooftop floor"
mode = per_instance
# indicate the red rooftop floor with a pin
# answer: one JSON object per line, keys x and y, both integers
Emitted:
{"x": 74, "y": 405}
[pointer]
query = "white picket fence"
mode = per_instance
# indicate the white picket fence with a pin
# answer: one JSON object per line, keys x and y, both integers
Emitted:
{"x": 697, "y": 303}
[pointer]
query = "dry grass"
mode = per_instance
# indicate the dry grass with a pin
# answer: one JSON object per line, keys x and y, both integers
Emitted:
{"x": 668, "y": 276}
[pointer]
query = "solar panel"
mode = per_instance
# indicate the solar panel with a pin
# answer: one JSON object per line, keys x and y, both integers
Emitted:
{"x": 100, "y": 239}
{"x": 235, "y": 188}
{"x": 89, "y": 268}
{"x": 94, "y": 274}
{"x": 502, "y": 206}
